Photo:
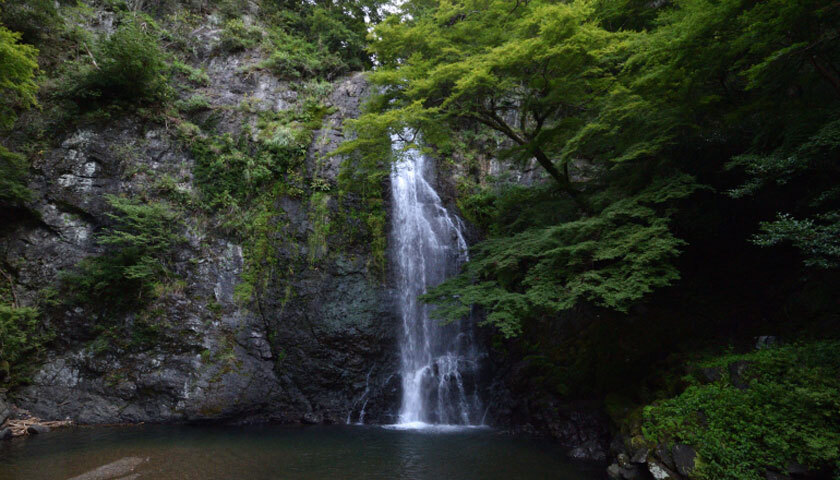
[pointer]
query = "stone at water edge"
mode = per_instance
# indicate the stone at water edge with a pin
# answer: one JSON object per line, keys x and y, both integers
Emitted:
{"x": 631, "y": 472}
{"x": 771, "y": 475}
{"x": 5, "y": 410}
{"x": 114, "y": 470}
{"x": 37, "y": 429}
{"x": 664, "y": 454}
{"x": 614, "y": 471}
{"x": 640, "y": 456}
{"x": 312, "y": 418}
{"x": 5, "y": 433}
{"x": 661, "y": 472}
{"x": 590, "y": 450}
{"x": 737, "y": 372}
{"x": 684, "y": 457}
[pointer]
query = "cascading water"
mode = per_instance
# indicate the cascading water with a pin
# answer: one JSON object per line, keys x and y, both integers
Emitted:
{"x": 439, "y": 363}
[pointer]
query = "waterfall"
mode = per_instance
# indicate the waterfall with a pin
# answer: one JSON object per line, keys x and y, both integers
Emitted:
{"x": 438, "y": 363}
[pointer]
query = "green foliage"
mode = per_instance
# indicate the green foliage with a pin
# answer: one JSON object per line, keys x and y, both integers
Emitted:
{"x": 611, "y": 260}
{"x": 236, "y": 36}
{"x": 17, "y": 69}
{"x": 127, "y": 66}
{"x": 361, "y": 181}
{"x": 139, "y": 253}
{"x": 321, "y": 38}
{"x": 295, "y": 57}
{"x": 14, "y": 169}
{"x": 35, "y": 20}
{"x": 818, "y": 239}
{"x": 196, "y": 103}
{"x": 20, "y": 336}
{"x": 195, "y": 75}
{"x": 789, "y": 413}
{"x": 17, "y": 91}
{"x": 615, "y": 101}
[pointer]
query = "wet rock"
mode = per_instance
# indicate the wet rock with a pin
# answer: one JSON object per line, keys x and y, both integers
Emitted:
{"x": 617, "y": 445}
{"x": 660, "y": 472}
{"x": 797, "y": 469}
{"x": 765, "y": 341}
{"x": 623, "y": 460}
{"x": 590, "y": 451}
{"x": 684, "y": 457}
{"x": 640, "y": 456}
{"x": 37, "y": 429}
{"x": 737, "y": 372}
{"x": 631, "y": 472}
{"x": 120, "y": 468}
{"x": 5, "y": 410}
{"x": 5, "y": 433}
{"x": 711, "y": 374}
{"x": 771, "y": 475}
{"x": 311, "y": 418}
{"x": 614, "y": 471}
{"x": 663, "y": 453}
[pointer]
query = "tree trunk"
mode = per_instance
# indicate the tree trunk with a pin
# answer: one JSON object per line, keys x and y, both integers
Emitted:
{"x": 562, "y": 179}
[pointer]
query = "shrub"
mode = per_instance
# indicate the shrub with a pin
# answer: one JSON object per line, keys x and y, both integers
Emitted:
{"x": 128, "y": 66}
{"x": 139, "y": 253}
{"x": 20, "y": 336}
{"x": 13, "y": 171}
{"x": 295, "y": 57}
{"x": 237, "y": 36}
{"x": 790, "y": 412}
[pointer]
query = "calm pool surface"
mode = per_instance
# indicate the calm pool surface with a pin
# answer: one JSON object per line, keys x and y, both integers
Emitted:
{"x": 288, "y": 453}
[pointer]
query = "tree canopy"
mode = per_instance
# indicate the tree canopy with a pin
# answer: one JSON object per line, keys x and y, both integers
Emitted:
{"x": 659, "y": 100}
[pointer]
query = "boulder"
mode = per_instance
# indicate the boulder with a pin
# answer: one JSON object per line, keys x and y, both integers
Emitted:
{"x": 590, "y": 451}
{"x": 5, "y": 410}
{"x": 711, "y": 374}
{"x": 771, "y": 475}
{"x": 5, "y": 434}
{"x": 614, "y": 471}
{"x": 37, "y": 429}
{"x": 640, "y": 456}
{"x": 797, "y": 469}
{"x": 684, "y": 457}
{"x": 660, "y": 472}
{"x": 623, "y": 460}
{"x": 312, "y": 418}
{"x": 631, "y": 472}
{"x": 617, "y": 444}
{"x": 765, "y": 341}
{"x": 663, "y": 453}
{"x": 737, "y": 371}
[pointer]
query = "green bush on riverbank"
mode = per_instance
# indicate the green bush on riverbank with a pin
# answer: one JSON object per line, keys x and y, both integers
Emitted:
{"x": 763, "y": 410}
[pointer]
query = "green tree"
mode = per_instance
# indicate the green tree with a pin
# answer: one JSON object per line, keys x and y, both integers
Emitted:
{"x": 139, "y": 251}
{"x": 17, "y": 92}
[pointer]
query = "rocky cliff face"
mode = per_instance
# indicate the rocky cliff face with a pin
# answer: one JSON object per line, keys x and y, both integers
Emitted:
{"x": 310, "y": 348}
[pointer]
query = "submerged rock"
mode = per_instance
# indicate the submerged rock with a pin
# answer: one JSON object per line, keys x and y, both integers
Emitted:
{"x": 114, "y": 470}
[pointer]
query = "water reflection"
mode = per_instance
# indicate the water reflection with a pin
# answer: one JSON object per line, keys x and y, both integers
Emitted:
{"x": 289, "y": 453}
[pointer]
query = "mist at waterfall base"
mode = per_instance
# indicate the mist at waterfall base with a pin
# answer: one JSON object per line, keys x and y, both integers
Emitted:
{"x": 289, "y": 453}
{"x": 439, "y": 364}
